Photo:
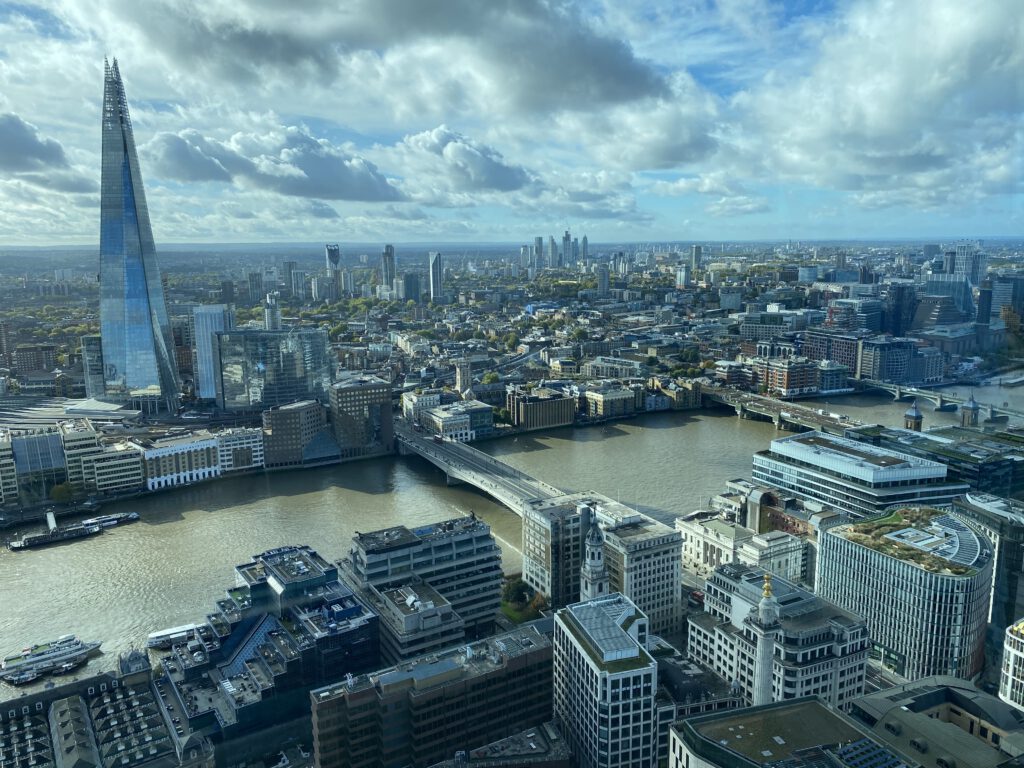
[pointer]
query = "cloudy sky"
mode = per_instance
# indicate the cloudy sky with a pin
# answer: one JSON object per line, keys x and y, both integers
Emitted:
{"x": 498, "y": 120}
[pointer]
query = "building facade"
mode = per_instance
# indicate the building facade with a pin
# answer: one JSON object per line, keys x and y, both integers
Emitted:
{"x": 256, "y": 370}
{"x": 138, "y": 359}
{"x": 921, "y": 578}
{"x": 855, "y": 478}
{"x": 362, "y": 417}
{"x": 179, "y": 460}
{"x": 605, "y": 683}
{"x": 817, "y": 648}
{"x": 459, "y": 558}
{"x": 429, "y": 709}
{"x": 205, "y": 321}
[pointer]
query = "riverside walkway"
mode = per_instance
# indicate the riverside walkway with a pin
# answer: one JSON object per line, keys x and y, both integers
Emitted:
{"x": 462, "y": 463}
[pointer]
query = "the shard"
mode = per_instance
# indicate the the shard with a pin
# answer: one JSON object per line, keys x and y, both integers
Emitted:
{"x": 138, "y": 352}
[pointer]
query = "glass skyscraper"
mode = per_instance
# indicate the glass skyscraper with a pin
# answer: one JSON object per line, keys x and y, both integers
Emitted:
{"x": 257, "y": 370}
{"x": 138, "y": 352}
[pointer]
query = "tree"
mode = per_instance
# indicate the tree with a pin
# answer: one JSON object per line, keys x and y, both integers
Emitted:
{"x": 491, "y": 377}
{"x": 511, "y": 340}
{"x": 62, "y": 493}
{"x": 517, "y": 592}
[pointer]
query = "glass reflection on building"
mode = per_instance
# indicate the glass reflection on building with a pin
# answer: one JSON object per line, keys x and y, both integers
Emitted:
{"x": 257, "y": 369}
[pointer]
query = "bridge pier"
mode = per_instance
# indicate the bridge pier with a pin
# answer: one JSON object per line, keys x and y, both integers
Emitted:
{"x": 449, "y": 480}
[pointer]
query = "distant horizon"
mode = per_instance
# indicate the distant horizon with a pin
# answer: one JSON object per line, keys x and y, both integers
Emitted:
{"x": 438, "y": 244}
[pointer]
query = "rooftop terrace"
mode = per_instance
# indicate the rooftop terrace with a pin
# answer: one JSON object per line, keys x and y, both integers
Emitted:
{"x": 927, "y": 537}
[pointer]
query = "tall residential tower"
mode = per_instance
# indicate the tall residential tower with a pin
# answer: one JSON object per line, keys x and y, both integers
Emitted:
{"x": 138, "y": 354}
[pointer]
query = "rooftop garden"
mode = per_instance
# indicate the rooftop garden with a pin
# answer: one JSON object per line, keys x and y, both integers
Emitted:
{"x": 872, "y": 533}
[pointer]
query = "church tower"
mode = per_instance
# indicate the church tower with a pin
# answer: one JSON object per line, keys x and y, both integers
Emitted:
{"x": 969, "y": 412}
{"x": 593, "y": 573}
{"x": 765, "y": 625}
{"x": 913, "y": 419}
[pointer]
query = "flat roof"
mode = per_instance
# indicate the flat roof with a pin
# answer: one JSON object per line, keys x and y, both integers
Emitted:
{"x": 766, "y": 735}
{"x": 400, "y": 536}
{"x": 922, "y": 535}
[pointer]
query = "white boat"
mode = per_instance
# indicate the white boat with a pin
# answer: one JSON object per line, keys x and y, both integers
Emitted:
{"x": 165, "y": 638}
{"x": 106, "y": 521}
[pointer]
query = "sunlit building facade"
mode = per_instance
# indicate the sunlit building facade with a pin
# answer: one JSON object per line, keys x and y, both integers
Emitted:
{"x": 138, "y": 361}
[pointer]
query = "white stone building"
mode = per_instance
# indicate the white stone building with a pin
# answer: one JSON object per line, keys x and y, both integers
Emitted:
{"x": 239, "y": 449}
{"x": 816, "y": 648}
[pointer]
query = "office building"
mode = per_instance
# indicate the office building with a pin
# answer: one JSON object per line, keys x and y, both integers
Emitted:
{"x": 605, "y": 683}
{"x": 8, "y": 471}
{"x": 362, "y": 416}
{"x": 256, "y": 287}
{"x": 256, "y": 370}
{"x": 540, "y": 408}
{"x": 205, "y": 321}
{"x": 643, "y": 559}
{"x": 286, "y": 626}
{"x": 554, "y": 540}
{"x": 1011, "y": 677}
{"x": 95, "y": 467}
{"x": 387, "y": 266}
{"x": 240, "y": 449}
{"x": 296, "y": 435}
{"x": 138, "y": 353}
{"x": 436, "y": 272}
{"x": 459, "y": 558}
{"x": 803, "y": 733}
{"x": 464, "y": 421}
{"x": 174, "y": 461}
{"x": 989, "y": 463}
{"x": 816, "y": 648}
{"x": 641, "y": 555}
{"x": 943, "y": 721}
{"x": 921, "y": 579}
{"x": 415, "y": 619}
{"x": 1002, "y": 523}
{"x": 92, "y": 366}
{"x": 566, "y": 255}
{"x": 427, "y": 710}
{"x": 411, "y": 287}
{"x": 855, "y": 478}
{"x": 971, "y": 263}
{"x": 584, "y": 249}
{"x": 300, "y": 284}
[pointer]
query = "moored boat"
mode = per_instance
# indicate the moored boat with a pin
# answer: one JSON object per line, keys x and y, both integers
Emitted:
{"x": 54, "y": 536}
{"x": 166, "y": 638}
{"x": 43, "y": 657}
{"x": 107, "y": 521}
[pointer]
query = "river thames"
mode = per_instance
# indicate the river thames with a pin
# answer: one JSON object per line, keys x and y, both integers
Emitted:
{"x": 170, "y": 567}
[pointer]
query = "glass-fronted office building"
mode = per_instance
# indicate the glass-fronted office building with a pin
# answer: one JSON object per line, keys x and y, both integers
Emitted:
{"x": 257, "y": 370}
{"x": 138, "y": 353}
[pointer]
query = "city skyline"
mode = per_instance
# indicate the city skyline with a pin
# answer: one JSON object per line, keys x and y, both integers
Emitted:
{"x": 742, "y": 121}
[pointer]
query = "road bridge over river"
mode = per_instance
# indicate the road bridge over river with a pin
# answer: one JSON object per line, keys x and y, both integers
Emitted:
{"x": 462, "y": 463}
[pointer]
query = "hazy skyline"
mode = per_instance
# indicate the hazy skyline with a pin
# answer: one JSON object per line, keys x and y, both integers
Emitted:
{"x": 463, "y": 120}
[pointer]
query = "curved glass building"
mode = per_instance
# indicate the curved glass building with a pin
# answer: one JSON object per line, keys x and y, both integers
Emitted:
{"x": 138, "y": 353}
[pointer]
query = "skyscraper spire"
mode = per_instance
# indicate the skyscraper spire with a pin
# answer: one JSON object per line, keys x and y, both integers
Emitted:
{"x": 138, "y": 363}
